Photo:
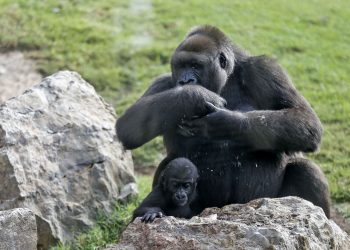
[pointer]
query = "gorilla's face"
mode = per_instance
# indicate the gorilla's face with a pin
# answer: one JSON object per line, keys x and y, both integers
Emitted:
{"x": 198, "y": 60}
{"x": 179, "y": 181}
{"x": 180, "y": 191}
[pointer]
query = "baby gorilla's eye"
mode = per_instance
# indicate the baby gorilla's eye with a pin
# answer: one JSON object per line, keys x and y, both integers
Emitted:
{"x": 222, "y": 60}
{"x": 187, "y": 185}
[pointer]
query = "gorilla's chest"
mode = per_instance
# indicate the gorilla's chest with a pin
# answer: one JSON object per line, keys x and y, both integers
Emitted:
{"x": 216, "y": 158}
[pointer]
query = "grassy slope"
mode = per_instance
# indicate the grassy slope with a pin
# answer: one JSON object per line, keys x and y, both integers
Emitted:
{"x": 119, "y": 46}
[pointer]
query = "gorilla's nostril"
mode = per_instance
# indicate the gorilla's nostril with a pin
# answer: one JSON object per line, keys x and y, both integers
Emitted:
{"x": 180, "y": 196}
{"x": 187, "y": 81}
{"x": 193, "y": 80}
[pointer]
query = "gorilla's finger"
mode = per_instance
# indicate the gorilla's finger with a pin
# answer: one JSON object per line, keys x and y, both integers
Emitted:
{"x": 195, "y": 117}
{"x": 193, "y": 124}
{"x": 153, "y": 216}
{"x": 184, "y": 131}
{"x": 147, "y": 217}
{"x": 191, "y": 128}
{"x": 160, "y": 214}
{"x": 197, "y": 127}
{"x": 224, "y": 103}
{"x": 211, "y": 108}
{"x": 221, "y": 104}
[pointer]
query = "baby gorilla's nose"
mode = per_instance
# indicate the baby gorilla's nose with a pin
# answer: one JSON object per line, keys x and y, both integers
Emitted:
{"x": 180, "y": 196}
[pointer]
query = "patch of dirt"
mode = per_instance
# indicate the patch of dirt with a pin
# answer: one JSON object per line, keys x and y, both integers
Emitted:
{"x": 341, "y": 221}
{"x": 17, "y": 74}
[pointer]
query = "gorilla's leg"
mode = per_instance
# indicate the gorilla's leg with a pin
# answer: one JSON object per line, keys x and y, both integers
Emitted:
{"x": 305, "y": 179}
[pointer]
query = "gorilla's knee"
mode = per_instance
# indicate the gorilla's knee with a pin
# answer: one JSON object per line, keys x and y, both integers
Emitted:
{"x": 305, "y": 179}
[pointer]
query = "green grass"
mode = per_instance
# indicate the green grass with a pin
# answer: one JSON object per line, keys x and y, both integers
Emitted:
{"x": 120, "y": 46}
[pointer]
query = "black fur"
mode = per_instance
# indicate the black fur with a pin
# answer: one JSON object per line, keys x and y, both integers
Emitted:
{"x": 241, "y": 122}
{"x": 179, "y": 178}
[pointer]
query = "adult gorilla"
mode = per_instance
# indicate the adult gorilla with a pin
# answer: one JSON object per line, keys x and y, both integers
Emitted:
{"x": 237, "y": 117}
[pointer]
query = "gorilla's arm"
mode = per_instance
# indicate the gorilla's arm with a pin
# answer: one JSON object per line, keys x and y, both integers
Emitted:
{"x": 152, "y": 206}
{"x": 161, "y": 108}
{"x": 284, "y": 119}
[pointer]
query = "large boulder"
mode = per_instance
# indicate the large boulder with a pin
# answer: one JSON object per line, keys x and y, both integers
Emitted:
{"x": 60, "y": 157}
{"x": 284, "y": 223}
{"x": 18, "y": 229}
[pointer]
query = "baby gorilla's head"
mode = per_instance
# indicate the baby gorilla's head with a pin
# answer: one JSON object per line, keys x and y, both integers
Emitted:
{"x": 179, "y": 181}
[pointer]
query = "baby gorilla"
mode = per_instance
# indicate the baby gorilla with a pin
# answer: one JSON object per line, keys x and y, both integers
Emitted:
{"x": 173, "y": 194}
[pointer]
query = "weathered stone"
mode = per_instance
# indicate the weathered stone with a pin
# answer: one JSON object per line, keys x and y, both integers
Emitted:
{"x": 284, "y": 223}
{"x": 128, "y": 191}
{"x": 60, "y": 157}
{"x": 18, "y": 229}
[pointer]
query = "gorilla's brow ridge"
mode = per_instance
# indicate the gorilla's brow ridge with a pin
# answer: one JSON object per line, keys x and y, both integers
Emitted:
{"x": 199, "y": 43}
{"x": 213, "y": 33}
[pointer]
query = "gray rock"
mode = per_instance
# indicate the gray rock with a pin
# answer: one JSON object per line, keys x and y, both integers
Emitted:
{"x": 283, "y": 223}
{"x": 60, "y": 157}
{"x": 18, "y": 229}
{"x": 128, "y": 191}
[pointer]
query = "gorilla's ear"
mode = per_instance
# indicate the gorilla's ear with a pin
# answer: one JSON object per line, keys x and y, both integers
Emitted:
{"x": 197, "y": 180}
{"x": 222, "y": 60}
{"x": 161, "y": 181}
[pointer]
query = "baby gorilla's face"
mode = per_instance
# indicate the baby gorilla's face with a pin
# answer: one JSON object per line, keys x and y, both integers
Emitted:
{"x": 179, "y": 180}
{"x": 180, "y": 191}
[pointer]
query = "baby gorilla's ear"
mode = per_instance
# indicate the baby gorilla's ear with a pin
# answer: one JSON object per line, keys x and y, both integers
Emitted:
{"x": 195, "y": 182}
{"x": 162, "y": 181}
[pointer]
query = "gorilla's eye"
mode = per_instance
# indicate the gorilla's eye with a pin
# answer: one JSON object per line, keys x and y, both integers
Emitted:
{"x": 173, "y": 184}
{"x": 187, "y": 185}
{"x": 195, "y": 65}
{"x": 222, "y": 60}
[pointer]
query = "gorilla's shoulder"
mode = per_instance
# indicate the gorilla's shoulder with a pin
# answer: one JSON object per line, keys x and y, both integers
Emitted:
{"x": 159, "y": 84}
{"x": 163, "y": 78}
{"x": 262, "y": 63}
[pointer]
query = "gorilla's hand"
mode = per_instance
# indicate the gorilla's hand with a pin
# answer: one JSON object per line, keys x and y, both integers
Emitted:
{"x": 195, "y": 99}
{"x": 150, "y": 216}
{"x": 214, "y": 125}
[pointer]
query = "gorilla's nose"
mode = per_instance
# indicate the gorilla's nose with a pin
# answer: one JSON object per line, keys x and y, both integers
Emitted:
{"x": 187, "y": 81}
{"x": 187, "y": 78}
{"x": 180, "y": 196}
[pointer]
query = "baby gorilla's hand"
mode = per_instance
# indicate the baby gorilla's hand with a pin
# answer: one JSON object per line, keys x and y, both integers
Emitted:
{"x": 150, "y": 216}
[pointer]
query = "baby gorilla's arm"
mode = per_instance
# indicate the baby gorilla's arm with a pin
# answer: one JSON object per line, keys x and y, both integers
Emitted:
{"x": 151, "y": 214}
{"x": 151, "y": 207}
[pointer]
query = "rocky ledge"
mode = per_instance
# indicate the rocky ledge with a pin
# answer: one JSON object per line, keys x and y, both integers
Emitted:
{"x": 283, "y": 223}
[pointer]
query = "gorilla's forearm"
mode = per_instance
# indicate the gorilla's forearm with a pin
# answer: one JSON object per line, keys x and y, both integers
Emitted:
{"x": 286, "y": 130}
{"x": 154, "y": 202}
{"x": 153, "y": 114}
{"x": 146, "y": 119}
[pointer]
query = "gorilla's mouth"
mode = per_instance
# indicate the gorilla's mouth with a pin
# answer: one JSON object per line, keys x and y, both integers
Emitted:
{"x": 189, "y": 83}
{"x": 181, "y": 202}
